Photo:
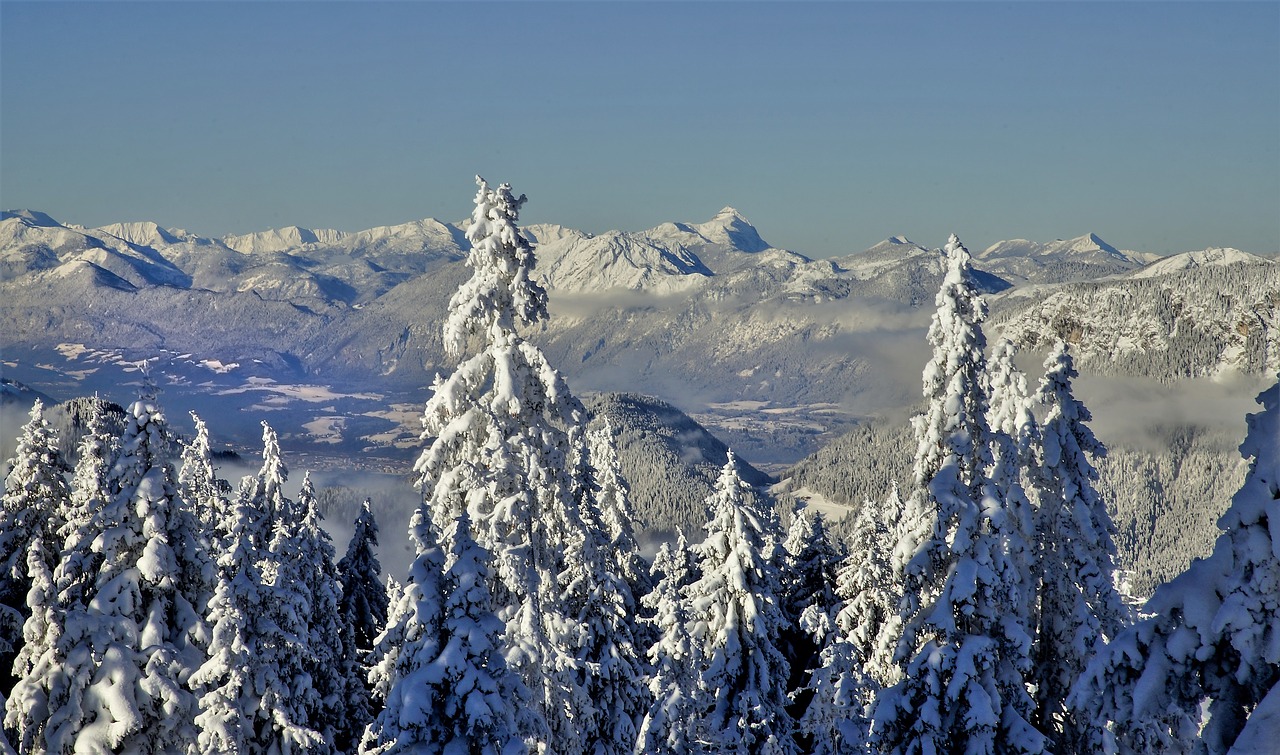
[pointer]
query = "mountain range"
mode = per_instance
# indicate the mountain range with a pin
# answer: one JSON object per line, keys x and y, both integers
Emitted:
{"x": 761, "y": 343}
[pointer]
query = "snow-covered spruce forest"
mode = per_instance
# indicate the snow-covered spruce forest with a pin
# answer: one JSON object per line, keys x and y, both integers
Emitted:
{"x": 148, "y": 606}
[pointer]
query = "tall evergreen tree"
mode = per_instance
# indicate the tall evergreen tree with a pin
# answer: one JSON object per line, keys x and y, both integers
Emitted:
{"x": 40, "y": 674}
{"x": 1010, "y": 409}
{"x": 834, "y": 721}
{"x": 610, "y": 674}
{"x": 200, "y": 486}
{"x": 1014, "y": 434}
{"x": 740, "y": 702}
{"x": 506, "y": 442}
{"x": 1210, "y": 638}
{"x": 868, "y": 592}
{"x": 809, "y": 564}
{"x": 964, "y": 638}
{"x": 364, "y": 597}
{"x": 35, "y": 498}
{"x": 386, "y": 646}
{"x": 78, "y": 563}
{"x": 665, "y": 728}
{"x": 442, "y": 647}
{"x": 614, "y": 501}
{"x": 1080, "y": 607}
{"x": 56, "y": 665}
{"x": 341, "y": 708}
{"x": 255, "y": 689}
{"x": 856, "y": 655}
{"x": 141, "y": 625}
{"x": 403, "y": 652}
{"x": 476, "y": 694}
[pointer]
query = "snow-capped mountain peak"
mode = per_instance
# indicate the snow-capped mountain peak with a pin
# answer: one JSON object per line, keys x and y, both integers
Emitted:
{"x": 141, "y": 233}
{"x": 1088, "y": 244}
{"x": 32, "y": 218}
{"x": 731, "y": 229}
{"x": 895, "y": 246}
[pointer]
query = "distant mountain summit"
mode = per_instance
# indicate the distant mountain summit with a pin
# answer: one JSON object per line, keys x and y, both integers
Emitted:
{"x": 281, "y": 239}
{"x": 1082, "y": 258}
{"x": 731, "y": 229}
{"x": 142, "y": 234}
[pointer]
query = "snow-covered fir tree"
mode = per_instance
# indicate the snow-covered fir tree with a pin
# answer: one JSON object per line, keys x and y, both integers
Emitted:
{"x": 142, "y": 626}
{"x": 834, "y": 721}
{"x": 856, "y": 655}
{"x": 614, "y": 502}
{"x": 255, "y": 687}
{"x": 964, "y": 640}
{"x": 402, "y": 654}
{"x": 442, "y": 647}
{"x": 506, "y": 441}
{"x": 1080, "y": 607}
{"x": 1013, "y": 436}
{"x": 55, "y": 666}
{"x": 287, "y": 562}
{"x": 200, "y": 486}
{"x": 36, "y": 496}
{"x": 1209, "y": 640}
{"x": 78, "y": 563}
{"x": 40, "y": 674}
{"x": 1011, "y": 407}
{"x": 665, "y": 727}
{"x": 599, "y": 599}
{"x": 809, "y": 562}
{"x": 337, "y": 707}
{"x": 364, "y": 597}
{"x": 382, "y": 659}
{"x": 868, "y": 592}
{"x": 240, "y": 686}
{"x": 739, "y": 701}
{"x": 610, "y": 675}
{"x": 476, "y": 694}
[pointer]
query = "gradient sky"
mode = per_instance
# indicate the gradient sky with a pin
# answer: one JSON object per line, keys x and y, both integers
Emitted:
{"x": 829, "y": 125}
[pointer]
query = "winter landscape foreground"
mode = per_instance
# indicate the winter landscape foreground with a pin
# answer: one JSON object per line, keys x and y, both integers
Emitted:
{"x": 971, "y": 592}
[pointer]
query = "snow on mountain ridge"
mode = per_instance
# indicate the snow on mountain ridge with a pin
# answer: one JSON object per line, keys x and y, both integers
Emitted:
{"x": 31, "y": 242}
{"x": 1087, "y": 245}
{"x": 281, "y": 239}
{"x": 1214, "y": 256}
{"x": 31, "y": 218}
{"x": 143, "y": 233}
{"x": 575, "y": 262}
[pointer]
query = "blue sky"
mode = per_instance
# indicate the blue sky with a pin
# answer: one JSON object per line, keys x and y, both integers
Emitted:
{"x": 829, "y": 125}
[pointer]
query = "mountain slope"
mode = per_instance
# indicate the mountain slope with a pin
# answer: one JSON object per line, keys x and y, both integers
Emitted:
{"x": 1194, "y": 322}
{"x": 1084, "y": 258}
{"x": 1217, "y": 257}
{"x": 670, "y": 461}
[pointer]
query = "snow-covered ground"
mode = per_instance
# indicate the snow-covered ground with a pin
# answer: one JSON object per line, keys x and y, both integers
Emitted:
{"x": 830, "y": 510}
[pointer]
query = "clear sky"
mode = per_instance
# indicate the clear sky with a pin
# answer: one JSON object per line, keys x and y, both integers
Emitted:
{"x": 829, "y": 125}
